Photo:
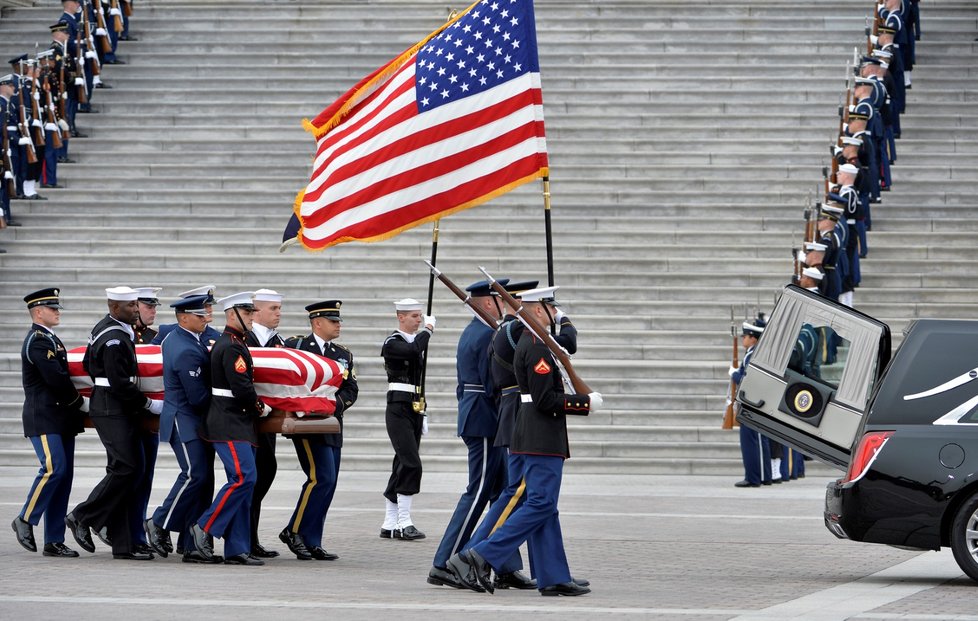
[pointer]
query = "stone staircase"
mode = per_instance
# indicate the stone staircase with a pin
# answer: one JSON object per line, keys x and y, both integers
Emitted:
{"x": 685, "y": 138}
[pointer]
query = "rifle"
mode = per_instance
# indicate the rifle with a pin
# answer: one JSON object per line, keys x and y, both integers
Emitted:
{"x": 36, "y": 108}
{"x": 541, "y": 332}
{"x": 25, "y": 128}
{"x": 101, "y": 30}
{"x": 52, "y": 121}
{"x": 483, "y": 316}
{"x": 127, "y": 8}
{"x": 116, "y": 14}
{"x": 8, "y": 165}
{"x": 729, "y": 415}
{"x": 87, "y": 25}
{"x": 80, "y": 82}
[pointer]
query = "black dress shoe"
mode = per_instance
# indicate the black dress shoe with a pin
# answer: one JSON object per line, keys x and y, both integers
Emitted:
{"x": 77, "y": 134}
{"x": 128, "y": 39}
{"x": 81, "y": 533}
{"x": 746, "y": 483}
{"x": 180, "y": 550}
{"x": 2, "y": 251}
{"x": 25, "y": 534}
{"x": 581, "y": 581}
{"x": 243, "y": 559}
{"x": 385, "y": 533}
{"x": 295, "y": 543}
{"x": 464, "y": 573}
{"x": 13, "y": 223}
{"x": 55, "y": 186}
{"x": 321, "y": 554}
{"x": 103, "y": 536}
{"x": 203, "y": 543}
{"x": 408, "y": 534}
{"x": 564, "y": 588}
{"x": 115, "y": 62}
{"x": 103, "y": 85}
{"x": 154, "y": 537}
{"x": 142, "y": 548}
{"x": 514, "y": 580}
{"x": 133, "y": 556}
{"x": 260, "y": 551}
{"x": 443, "y": 577}
{"x": 59, "y": 550}
{"x": 194, "y": 556}
{"x": 63, "y": 160}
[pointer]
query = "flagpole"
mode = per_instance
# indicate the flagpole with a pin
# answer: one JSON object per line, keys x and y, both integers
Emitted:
{"x": 431, "y": 295}
{"x": 549, "y": 231}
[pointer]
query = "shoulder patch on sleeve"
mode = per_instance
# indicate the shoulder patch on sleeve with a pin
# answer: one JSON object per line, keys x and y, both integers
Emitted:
{"x": 239, "y": 365}
{"x": 542, "y": 367}
{"x": 112, "y": 342}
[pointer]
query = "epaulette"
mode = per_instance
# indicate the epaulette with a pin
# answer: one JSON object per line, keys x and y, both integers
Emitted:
{"x": 344, "y": 348}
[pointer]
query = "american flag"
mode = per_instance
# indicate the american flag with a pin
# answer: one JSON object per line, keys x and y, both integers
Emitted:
{"x": 286, "y": 379}
{"x": 451, "y": 123}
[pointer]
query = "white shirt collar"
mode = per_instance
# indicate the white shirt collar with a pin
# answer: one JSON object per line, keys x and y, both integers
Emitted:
{"x": 407, "y": 337}
{"x": 132, "y": 335}
{"x": 322, "y": 344}
{"x": 262, "y": 333}
{"x": 191, "y": 333}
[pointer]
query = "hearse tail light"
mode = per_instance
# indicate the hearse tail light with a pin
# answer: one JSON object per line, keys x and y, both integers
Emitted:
{"x": 865, "y": 454}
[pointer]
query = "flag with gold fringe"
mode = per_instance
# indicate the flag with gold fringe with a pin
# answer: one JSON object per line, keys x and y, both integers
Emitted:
{"x": 449, "y": 124}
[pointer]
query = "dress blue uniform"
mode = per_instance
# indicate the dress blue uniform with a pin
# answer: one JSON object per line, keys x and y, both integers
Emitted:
{"x": 477, "y": 422}
{"x": 187, "y": 394}
{"x": 9, "y": 117}
{"x": 52, "y": 419}
{"x": 755, "y": 448}
{"x": 540, "y": 435}
{"x": 319, "y": 454}
{"x": 230, "y": 425}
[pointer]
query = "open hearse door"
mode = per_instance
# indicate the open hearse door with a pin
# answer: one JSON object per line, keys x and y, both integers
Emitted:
{"x": 812, "y": 374}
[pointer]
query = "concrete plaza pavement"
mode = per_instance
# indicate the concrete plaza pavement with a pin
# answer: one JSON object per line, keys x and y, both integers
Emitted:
{"x": 653, "y": 547}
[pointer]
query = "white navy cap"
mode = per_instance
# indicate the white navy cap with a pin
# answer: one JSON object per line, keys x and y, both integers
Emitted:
{"x": 244, "y": 299}
{"x": 812, "y": 272}
{"x": 849, "y": 169}
{"x": 541, "y": 294}
{"x": 121, "y": 294}
{"x": 148, "y": 295}
{"x": 407, "y": 304}
{"x": 852, "y": 141}
{"x": 815, "y": 247}
{"x": 267, "y": 295}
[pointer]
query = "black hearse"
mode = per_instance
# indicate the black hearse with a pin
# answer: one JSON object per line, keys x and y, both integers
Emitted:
{"x": 904, "y": 430}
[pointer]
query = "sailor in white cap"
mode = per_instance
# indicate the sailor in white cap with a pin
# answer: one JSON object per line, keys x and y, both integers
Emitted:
{"x": 230, "y": 426}
{"x": 404, "y": 355}
{"x": 116, "y": 407}
{"x": 263, "y": 333}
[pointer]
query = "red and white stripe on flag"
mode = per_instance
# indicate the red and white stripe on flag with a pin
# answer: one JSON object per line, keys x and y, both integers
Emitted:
{"x": 451, "y": 123}
{"x": 285, "y": 379}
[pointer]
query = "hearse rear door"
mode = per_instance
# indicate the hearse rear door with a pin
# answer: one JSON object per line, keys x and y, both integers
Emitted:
{"x": 812, "y": 373}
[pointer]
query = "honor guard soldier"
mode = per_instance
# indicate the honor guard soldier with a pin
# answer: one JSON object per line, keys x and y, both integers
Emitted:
{"x": 64, "y": 72}
{"x": 9, "y": 137}
{"x": 116, "y": 408}
{"x": 477, "y": 423}
{"x": 263, "y": 333}
{"x": 30, "y": 172}
{"x": 230, "y": 426}
{"x": 541, "y": 435}
{"x": 404, "y": 354}
{"x": 210, "y": 335}
{"x": 146, "y": 314}
{"x": 52, "y": 418}
{"x": 755, "y": 449}
{"x": 187, "y": 396}
{"x": 319, "y": 455}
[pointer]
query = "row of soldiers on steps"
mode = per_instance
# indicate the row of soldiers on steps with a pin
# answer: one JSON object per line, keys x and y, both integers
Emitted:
{"x": 44, "y": 91}
{"x": 835, "y": 229}
{"x": 862, "y": 155}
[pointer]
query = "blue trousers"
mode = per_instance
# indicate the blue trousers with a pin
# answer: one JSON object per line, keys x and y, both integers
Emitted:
{"x": 511, "y": 498}
{"x": 756, "y": 453}
{"x": 52, "y": 485}
{"x": 151, "y": 446}
{"x": 50, "y": 172}
{"x": 321, "y": 463}
{"x": 192, "y": 491}
{"x": 536, "y": 522}
{"x": 229, "y": 516}
{"x": 487, "y": 476}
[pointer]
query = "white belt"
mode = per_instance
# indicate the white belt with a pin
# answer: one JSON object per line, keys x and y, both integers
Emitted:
{"x": 526, "y": 398}
{"x": 402, "y": 387}
{"x": 104, "y": 381}
{"x": 222, "y": 392}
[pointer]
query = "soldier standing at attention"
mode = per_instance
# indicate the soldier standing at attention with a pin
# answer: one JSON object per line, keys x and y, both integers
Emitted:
{"x": 230, "y": 426}
{"x": 187, "y": 390}
{"x": 116, "y": 407}
{"x": 477, "y": 422}
{"x": 755, "y": 449}
{"x": 52, "y": 418}
{"x": 263, "y": 333}
{"x": 541, "y": 435}
{"x": 319, "y": 455}
{"x": 404, "y": 354}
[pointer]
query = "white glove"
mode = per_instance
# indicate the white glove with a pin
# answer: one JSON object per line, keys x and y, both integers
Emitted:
{"x": 424, "y": 425}
{"x": 731, "y": 371}
{"x": 558, "y": 316}
{"x": 266, "y": 411}
{"x": 596, "y": 400}
{"x": 84, "y": 405}
{"x": 155, "y": 406}
{"x": 429, "y": 320}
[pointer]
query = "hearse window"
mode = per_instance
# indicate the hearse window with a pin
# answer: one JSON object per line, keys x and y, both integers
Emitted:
{"x": 822, "y": 342}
